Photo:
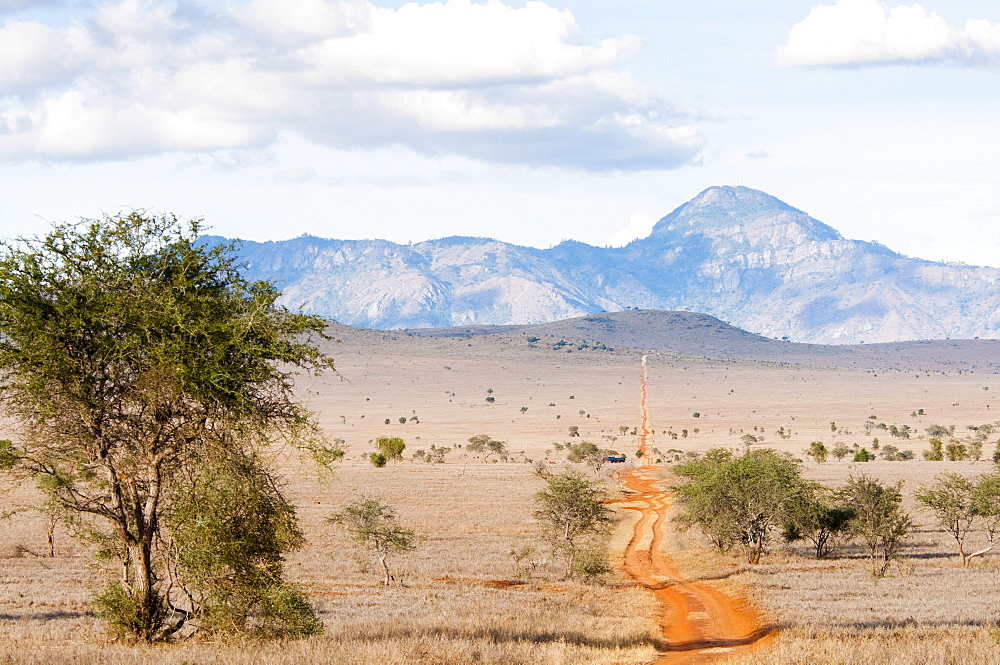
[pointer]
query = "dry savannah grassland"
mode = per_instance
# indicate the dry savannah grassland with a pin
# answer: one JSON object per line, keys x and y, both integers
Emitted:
{"x": 462, "y": 598}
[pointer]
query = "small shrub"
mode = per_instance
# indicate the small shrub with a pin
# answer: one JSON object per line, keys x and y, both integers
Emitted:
{"x": 390, "y": 447}
{"x": 863, "y": 456}
{"x": 956, "y": 452}
{"x": 818, "y": 452}
{"x": 936, "y": 453}
{"x": 890, "y": 453}
{"x": 524, "y": 562}
{"x": 122, "y": 611}
{"x": 590, "y": 565}
{"x": 377, "y": 460}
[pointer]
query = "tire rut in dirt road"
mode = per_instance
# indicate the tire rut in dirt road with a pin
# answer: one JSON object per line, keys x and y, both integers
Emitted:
{"x": 699, "y": 623}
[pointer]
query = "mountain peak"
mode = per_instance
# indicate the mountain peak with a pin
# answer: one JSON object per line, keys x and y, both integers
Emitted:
{"x": 737, "y": 198}
{"x": 751, "y": 214}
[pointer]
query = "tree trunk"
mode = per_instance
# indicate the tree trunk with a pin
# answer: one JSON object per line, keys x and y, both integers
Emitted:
{"x": 142, "y": 591}
{"x": 385, "y": 570}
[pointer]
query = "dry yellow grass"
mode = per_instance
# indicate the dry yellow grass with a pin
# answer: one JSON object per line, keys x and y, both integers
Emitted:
{"x": 474, "y": 513}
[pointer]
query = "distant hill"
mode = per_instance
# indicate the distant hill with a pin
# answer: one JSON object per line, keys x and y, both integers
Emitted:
{"x": 691, "y": 334}
{"x": 735, "y": 253}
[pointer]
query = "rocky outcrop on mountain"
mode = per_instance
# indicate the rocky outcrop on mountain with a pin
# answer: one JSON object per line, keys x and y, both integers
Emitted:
{"x": 735, "y": 253}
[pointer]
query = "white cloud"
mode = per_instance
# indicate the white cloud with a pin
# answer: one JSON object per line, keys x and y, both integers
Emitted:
{"x": 866, "y": 32}
{"x": 486, "y": 81}
{"x": 640, "y": 225}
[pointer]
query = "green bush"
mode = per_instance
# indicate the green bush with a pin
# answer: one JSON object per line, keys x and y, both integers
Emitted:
{"x": 739, "y": 500}
{"x": 231, "y": 534}
{"x": 123, "y": 612}
{"x": 818, "y": 452}
{"x": 390, "y": 447}
{"x": 936, "y": 453}
{"x": 841, "y": 450}
{"x": 377, "y": 460}
{"x": 590, "y": 565}
{"x": 956, "y": 452}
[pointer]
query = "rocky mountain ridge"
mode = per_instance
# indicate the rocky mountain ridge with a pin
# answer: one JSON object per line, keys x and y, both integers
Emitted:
{"x": 732, "y": 252}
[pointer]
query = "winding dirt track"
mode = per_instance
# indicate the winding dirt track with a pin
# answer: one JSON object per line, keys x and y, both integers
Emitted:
{"x": 699, "y": 622}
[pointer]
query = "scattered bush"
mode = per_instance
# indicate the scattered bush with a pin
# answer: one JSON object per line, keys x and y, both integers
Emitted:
{"x": 818, "y": 452}
{"x": 390, "y": 447}
{"x": 936, "y": 452}
{"x": 863, "y": 456}
{"x": 841, "y": 450}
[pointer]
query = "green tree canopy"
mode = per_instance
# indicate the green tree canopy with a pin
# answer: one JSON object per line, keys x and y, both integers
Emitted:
{"x": 816, "y": 515}
{"x": 137, "y": 360}
{"x": 484, "y": 443}
{"x": 373, "y": 523}
{"x": 570, "y": 509}
{"x": 879, "y": 519}
{"x": 739, "y": 500}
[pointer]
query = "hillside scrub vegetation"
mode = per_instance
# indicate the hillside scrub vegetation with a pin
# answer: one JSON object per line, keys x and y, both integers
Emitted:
{"x": 146, "y": 376}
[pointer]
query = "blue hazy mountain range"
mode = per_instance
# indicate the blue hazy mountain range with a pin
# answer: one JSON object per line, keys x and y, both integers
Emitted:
{"x": 736, "y": 253}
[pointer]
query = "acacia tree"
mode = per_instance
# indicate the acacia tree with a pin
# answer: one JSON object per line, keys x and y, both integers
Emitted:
{"x": 373, "y": 523}
{"x": 878, "y": 519}
{"x": 958, "y": 503}
{"x": 570, "y": 509}
{"x": 986, "y": 501}
{"x": 739, "y": 500}
{"x": 951, "y": 500}
{"x": 143, "y": 369}
{"x": 816, "y": 515}
{"x": 484, "y": 443}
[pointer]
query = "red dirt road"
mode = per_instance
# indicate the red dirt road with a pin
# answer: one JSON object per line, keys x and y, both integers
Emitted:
{"x": 700, "y": 623}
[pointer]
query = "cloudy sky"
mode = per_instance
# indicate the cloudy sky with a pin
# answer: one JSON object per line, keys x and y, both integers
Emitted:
{"x": 531, "y": 122}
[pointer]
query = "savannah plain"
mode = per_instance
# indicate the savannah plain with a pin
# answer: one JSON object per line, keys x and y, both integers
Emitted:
{"x": 461, "y": 597}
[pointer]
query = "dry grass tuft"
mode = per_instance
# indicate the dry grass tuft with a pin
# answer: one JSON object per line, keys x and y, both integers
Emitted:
{"x": 880, "y": 645}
